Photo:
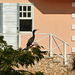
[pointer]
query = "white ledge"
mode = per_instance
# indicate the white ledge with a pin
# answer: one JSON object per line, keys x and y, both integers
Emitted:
{"x": 73, "y": 49}
{"x": 73, "y": 38}
{"x": 73, "y": 26}
{"x": 73, "y": 15}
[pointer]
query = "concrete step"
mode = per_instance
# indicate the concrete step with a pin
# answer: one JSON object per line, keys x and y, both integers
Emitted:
{"x": 63, "y": 65}
{"x": 56, "y": 62}
{"x": 48, "y": 57}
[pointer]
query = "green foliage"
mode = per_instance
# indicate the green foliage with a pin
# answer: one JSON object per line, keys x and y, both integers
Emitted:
{"x": 10, "y": 57}
{"x": 39, "y": 73}
{"x": 26, "y": 59}
{"x": 10, "y": 71}
{"x": 38, "y": 53}
{"x": 2, "y": 41}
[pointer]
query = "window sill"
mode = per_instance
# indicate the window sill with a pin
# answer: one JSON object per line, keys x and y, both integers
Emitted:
{"x": 25, "y": 32}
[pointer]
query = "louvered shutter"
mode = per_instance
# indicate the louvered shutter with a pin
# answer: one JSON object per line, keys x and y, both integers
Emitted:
{"x": 1, "y": 20}
{"x": 10, "y": 23}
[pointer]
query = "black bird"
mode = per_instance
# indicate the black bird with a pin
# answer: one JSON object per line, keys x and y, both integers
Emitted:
{"x": 30, "y": 41}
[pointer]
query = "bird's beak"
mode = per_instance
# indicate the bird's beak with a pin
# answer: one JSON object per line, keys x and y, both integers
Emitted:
{"x": 36, "y": 29}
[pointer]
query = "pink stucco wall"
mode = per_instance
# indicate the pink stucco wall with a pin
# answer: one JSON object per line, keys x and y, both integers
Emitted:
{"x": 53, "y": 16}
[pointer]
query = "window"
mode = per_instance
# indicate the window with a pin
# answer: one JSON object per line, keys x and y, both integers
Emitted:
{"x": 26, "y": 17}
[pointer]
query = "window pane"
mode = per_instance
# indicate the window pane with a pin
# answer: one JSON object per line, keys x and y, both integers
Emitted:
{"x": 20, "y": 14}
{"x": 20, "y": 8}
{"x": 29, "y": 8}
{"x": 24, "y": 8}
{"x": 26, "y": 25}
{"x": 29, "y": 14}
{"x": 24, "y": 14}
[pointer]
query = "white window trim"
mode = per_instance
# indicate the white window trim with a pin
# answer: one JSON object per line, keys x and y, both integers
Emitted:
{"x": 26, "y": 3}
{"x": 32, "y": 5}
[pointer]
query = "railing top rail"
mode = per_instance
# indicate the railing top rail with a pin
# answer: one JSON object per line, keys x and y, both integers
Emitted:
{"x": 60, "y": 39}
{"x": 36, "y": 34}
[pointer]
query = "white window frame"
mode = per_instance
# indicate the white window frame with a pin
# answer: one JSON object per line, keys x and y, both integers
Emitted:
{"x": 32, "y": 16}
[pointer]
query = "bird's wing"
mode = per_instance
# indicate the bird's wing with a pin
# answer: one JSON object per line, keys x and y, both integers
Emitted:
{"x": 30, "y": 41}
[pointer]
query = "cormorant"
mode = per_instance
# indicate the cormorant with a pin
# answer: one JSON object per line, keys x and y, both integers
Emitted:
{"x": 30, "y": 41}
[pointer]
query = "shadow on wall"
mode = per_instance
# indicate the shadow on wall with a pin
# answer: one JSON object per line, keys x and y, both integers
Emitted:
{"x": 54, "y": 6}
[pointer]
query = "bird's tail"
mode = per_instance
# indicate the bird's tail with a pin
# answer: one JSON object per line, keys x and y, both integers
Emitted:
{"x": 26, "y": 48}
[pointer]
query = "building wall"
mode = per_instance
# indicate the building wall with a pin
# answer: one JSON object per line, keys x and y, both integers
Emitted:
{"x": 53, "y": 17}
{"x": 56, "y": 18}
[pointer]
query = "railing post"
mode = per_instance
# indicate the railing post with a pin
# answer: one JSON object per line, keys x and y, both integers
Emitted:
{"x": 50, "y": 45}
{"x": 65, "y": 55}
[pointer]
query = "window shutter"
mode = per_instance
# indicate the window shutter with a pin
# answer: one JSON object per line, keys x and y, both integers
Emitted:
{"x": 10, "y": 22}
{"x": 1, "y": 20}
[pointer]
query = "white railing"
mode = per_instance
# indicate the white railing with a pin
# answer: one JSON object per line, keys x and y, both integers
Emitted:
{"x": 50, "y": 49}
{"x": 52, "y": 37}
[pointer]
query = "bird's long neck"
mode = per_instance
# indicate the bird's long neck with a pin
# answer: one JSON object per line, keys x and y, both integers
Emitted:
{"x": 33, "y": 34}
